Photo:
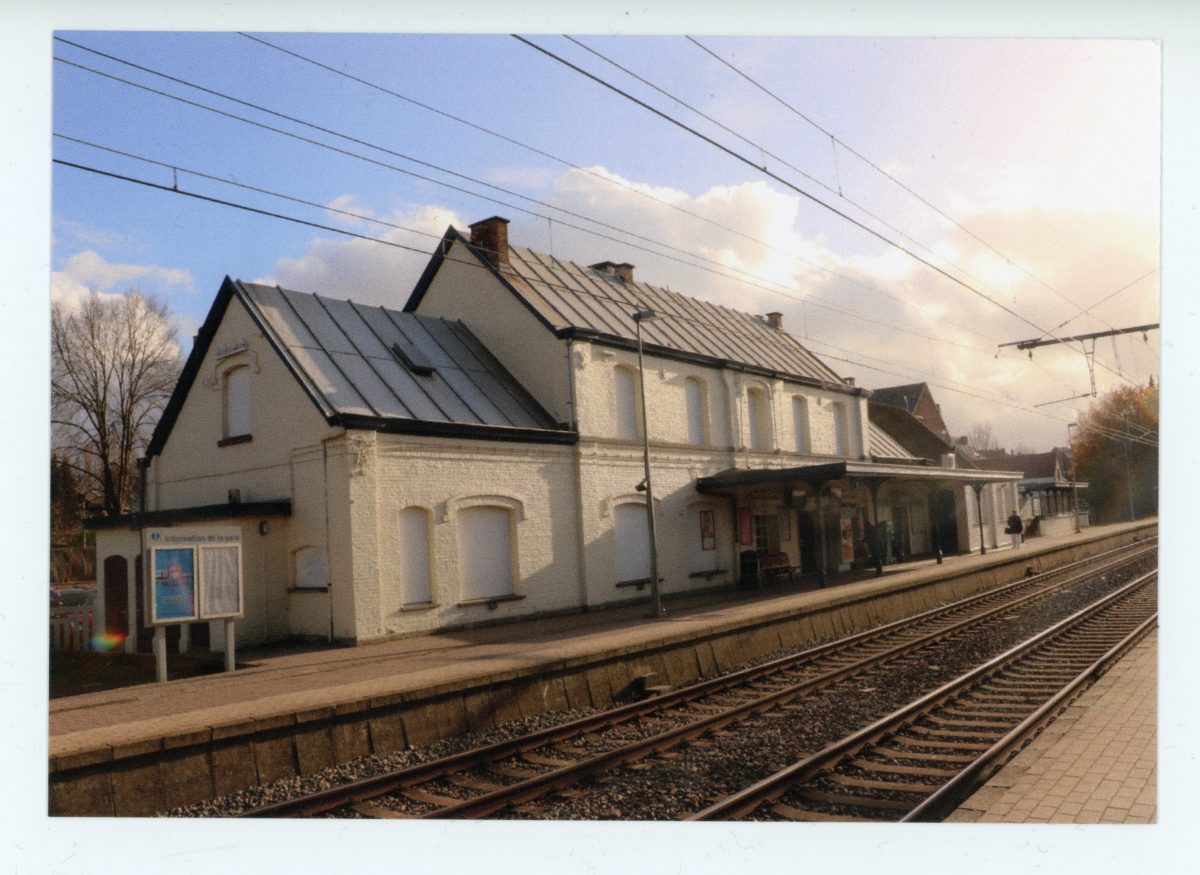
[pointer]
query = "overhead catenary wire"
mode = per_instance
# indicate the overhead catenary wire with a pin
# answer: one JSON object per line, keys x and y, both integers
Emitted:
{"x": 784, "y": 292}
{"x": 902, "y": 185}
{"x": 739, "y": 157}
{"x": 366, "y": 237}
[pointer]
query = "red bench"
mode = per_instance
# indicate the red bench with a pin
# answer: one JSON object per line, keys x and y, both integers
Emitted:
{"x": 772, "y": 566}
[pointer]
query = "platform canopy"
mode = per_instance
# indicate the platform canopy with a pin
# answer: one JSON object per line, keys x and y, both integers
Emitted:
{"x": 733, "y": 479}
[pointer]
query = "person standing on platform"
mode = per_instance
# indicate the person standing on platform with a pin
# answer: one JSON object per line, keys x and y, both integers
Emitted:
{"x": 1015, "y": 528}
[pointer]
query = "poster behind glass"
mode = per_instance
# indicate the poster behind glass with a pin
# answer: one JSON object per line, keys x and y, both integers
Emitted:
{"x": 174, "y": 596}
{"x": 220, "y": 573}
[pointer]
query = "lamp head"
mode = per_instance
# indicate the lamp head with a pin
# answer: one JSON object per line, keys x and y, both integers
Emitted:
{"x": 644, "y": 315}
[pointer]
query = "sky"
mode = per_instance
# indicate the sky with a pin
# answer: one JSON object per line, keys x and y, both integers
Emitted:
{"x": 1046, "y": 147}
{"x": 1026, "y": 169}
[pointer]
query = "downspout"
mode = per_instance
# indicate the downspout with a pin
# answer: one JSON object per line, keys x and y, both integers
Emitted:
{"x": 581, "y": 549}
{"x": 328, "y": 557}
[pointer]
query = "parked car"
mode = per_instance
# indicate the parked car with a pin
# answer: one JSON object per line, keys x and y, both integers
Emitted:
{"x": 71, "y": 597}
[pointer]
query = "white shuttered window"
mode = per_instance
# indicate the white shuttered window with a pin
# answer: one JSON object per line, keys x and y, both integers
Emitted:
{"x": 626, "y": 395}
{"x": 485, "y": 558}
{"x": 413, "y": 562}
{"x": 632, "y": 542}
{"x": 237, "y": 402}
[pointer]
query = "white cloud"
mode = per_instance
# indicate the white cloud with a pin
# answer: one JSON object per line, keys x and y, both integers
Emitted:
{"x": 366, "y": 271}
{"x": 88, "y": 271}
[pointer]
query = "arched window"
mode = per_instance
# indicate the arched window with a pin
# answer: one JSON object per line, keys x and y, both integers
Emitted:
{"x": 800, "y": 424}
{"x": 413, "y": 561}
{"x": 237, "y": 402}
{"x": 841, "y": 430}
{"x": 485, "y": 552}
{"x": 625, "y": 388}
{"x": 312, "y": 568}
{"x": 632, "y": 542}
{"x": 697, "y": 411}
{"x": 759, "y": 419}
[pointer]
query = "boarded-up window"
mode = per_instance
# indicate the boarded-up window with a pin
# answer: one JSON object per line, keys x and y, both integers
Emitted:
{"x": 412, "y": 564}
{"x": 841, "y": 430}
{"x": 237, "y": 402}
{"x": 696, "y": 414}
{"x": 626, "y": 395}
{"x": 312, "y": 568}
{"x": 760, "y": 420}
{"x": 632, "y": 542}
{"x": 485, "y": 553}
{"x": 800, "y": 423}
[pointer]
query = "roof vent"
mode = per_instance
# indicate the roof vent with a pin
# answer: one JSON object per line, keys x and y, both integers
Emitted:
{"x": 623, "y": 271}
{"x": 412, "y": 358}
{"x": 775, "y": 320}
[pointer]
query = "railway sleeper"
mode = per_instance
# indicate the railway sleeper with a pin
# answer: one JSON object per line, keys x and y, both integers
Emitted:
{"x": 934, "y": 733}
{"x": 875, "y": 784}
{"x": 791, "y": 812}
{"x": 849, "y": 800}
{"x": 379, "y": 812}
{"x": 908, "y": 740}
{"x": 982, "y": 724}
{"x": 896, "y": 753}
{"x": 881, "y": 768}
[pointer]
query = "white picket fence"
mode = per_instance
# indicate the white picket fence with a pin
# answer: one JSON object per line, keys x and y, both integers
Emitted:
{"x": 71, "y": 628}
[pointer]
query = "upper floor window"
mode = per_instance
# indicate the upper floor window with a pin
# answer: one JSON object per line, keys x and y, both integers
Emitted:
{"x": 237, "y": 403}
{"x": 841, "y": 429}
{"x": 759, "y": 418}
{"x": 312, "y": 568}
{"x": 800, "y": 424}
{"x": 625, "y": 388}
{"x": 697, "y": 412}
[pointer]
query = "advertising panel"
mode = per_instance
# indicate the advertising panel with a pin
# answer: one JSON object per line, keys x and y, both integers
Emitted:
{"x": 197, "y": 574}
{"x": 847, "y": 539}
{"x": 745, "y": 527}
{"x": 708, "y": 531}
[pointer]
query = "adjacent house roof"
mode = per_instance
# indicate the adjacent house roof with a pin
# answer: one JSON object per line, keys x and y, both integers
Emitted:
{"x": 375, "y": 368}
{"x": 586, "y": 302}
{"x": 1051, "y": 468}
{"x": 916, "y": 399}
{"x": 882, "y": 445}
{"x": 910, "y": 432}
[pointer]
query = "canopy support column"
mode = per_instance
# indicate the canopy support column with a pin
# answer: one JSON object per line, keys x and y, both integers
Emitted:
{"x": 936, "y": 519}
{"x": 978, "y": 487}
{"x": 873, "y": 484}
{"x": 819, "y": 488}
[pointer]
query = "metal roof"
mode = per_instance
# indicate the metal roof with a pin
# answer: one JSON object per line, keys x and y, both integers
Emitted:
{"x": 730, "y": 479}
{"x": 882, "y": 445}
{"x": 568, "y": 296}
{"x": 373, "y": 364}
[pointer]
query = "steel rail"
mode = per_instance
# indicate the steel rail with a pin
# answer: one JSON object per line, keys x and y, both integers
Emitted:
{"x": 958, "y": 788}
{"x": 747, "y": 800}
{"x": 379, "y": 785}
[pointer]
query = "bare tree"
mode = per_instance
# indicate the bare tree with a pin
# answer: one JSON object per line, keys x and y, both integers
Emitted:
{"x": 980, "y": 436}
{"x": 114, "y": 361}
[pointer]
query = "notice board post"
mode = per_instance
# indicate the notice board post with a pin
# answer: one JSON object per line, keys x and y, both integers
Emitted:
{"x": 196, "y": 575}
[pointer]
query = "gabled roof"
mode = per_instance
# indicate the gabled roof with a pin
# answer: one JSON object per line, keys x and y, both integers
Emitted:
{"x": 905, "y": 396}
{"x": 882, "y": 445}
{"x": 575, "y": 301}
{"x": 1051, "y": 466}
{"x": 375, "y": 368}
{"x": 910, "y": 432}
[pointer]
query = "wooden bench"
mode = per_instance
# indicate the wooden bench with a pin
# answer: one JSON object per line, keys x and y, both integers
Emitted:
{"x": 772, "y": 566}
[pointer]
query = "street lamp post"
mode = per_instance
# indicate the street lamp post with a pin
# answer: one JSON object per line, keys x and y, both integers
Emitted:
{"x": 1074, "y": 476}
{"x": 657, "y": 609}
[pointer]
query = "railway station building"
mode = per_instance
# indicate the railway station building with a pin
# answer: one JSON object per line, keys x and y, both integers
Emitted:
{"x": 475, "y": 453}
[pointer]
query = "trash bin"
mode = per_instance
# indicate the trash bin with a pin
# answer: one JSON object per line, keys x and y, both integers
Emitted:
{"x": 748, "y": 576}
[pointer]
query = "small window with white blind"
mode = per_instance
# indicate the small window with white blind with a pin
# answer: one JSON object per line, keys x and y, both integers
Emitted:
{"x": 625, "y": 388}
{"x": 800, "y": 424}
{"x": 841, "y": 429}
{"x": 697, "y": 412}
{"x": 759, "y": 420}
{"x": 236, "y": 417}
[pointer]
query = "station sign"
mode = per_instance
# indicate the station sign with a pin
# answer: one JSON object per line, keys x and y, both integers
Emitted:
{"x": 196, "y": 574}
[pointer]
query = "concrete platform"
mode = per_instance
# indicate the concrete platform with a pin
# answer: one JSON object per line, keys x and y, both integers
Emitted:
{"x": 1095, "y": 764}
{"x": 139, "y": 749}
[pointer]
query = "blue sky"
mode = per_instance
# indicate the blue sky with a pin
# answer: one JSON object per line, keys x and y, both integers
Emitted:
{"x": 1047, "y": 151}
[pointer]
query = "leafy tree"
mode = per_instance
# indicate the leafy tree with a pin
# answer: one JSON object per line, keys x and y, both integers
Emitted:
{"x": 114, "y": 362}
{"x": 1116, "y": 452}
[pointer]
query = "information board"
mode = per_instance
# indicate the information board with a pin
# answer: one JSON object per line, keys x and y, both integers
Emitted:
{"x": 197, "y": 574}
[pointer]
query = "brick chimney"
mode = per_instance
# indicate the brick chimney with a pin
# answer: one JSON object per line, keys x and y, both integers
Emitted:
{"x": 490, "y": 236}
{"x": 775, "y": 320}
{"x": 623, "y": 271}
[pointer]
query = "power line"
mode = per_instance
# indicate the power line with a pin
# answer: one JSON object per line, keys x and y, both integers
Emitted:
{"x": 322, "y": 129}
{"x": 762, "y": 169}
{"x": 473, "y": 264}
{"x": 879, "y": 169}
{"x": 766, "y": 152}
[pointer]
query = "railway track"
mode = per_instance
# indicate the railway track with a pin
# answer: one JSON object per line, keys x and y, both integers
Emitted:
{"x": 492, "y": 779}
{"x": 920, "y": 762}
